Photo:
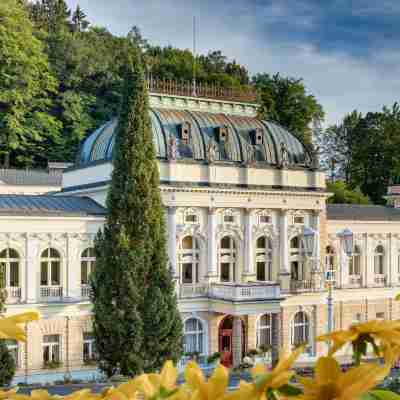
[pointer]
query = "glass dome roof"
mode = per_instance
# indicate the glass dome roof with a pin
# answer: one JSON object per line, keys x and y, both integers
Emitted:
{"x": 240, "y": 148}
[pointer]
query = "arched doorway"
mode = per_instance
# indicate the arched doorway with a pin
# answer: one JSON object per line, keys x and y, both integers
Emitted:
{"x": 225, "y": 340}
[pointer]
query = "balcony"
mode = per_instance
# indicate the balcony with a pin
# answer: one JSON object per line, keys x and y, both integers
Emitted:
{"x": 245, "y": 291}
{"x": 13, "y": 294}
{"x": 301, "y": 286}
{"x": 195, "y": 290}
{"x": 51, "y": 293}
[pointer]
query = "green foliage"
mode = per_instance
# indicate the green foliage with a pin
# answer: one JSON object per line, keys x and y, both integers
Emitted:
{"x": 342, "y": 194}
{"x": 7, "y": 365}
{"x": 337, "y": 146}
{"x": 136, "y": 321}
{"x": 286, "y": 101}
{"x": 26, "y": 86}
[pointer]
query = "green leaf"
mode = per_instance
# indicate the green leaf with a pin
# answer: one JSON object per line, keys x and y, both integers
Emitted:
{"x": 383, "y": 395}
{"x": 290, "y": 390}
{"x": 260, "y": 380}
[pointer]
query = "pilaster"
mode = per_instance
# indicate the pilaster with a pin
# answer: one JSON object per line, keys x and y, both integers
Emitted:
{"x": 237, "y": 341}
{"x": 248, "y": 250}
{"x": 212, "y": 245}
{"x": 172, "y": 240}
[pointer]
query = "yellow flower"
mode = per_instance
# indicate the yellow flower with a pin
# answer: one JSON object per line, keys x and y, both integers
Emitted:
{"x": 150, "y": 384}
{"x": 9, "y": 328}
{"x": 6, "y": 394}
{"x": 198, "y": 388}
{"x": 330, "y": 383}
{"x": 387, "y": 332}
{"x": 266, "y": 380}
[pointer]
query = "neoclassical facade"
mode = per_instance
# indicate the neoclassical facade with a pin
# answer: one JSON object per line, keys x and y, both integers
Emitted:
{"x": 239, "y": 195}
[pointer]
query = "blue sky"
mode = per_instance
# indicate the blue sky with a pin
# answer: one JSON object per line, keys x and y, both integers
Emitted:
{"x": 347, "y": 51}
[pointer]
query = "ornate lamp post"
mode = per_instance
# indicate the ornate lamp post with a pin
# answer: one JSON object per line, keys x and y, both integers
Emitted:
{"x": 346, "y": 242}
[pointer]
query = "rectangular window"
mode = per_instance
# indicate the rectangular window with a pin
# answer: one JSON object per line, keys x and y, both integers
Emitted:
{"x": 191, "y": 218}
{"x": 43, "y": 274}
{"x": 51, "y": 349}
{"x": 357, "y": 318}
{"x": 265, "y": 219}
{"x": 84, "y": 273}
{"x": 187, "y": 273}
{"x": 55, "y": 273}
{"x": 88, "y": 346}
{"x": 229, "y": 218}
{"x": 261, "y": 271}
{"x": 298, "y": 220}
{"x": 225, "y": 272}
{"x": 14, "y": 274}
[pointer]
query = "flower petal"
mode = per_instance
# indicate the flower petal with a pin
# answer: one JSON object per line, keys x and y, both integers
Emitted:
{"x": 169, "y": 375}
{"x": 327, "y": 370}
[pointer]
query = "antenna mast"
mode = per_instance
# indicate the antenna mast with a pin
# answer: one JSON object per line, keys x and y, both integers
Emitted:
{"x": 194, "y": 91}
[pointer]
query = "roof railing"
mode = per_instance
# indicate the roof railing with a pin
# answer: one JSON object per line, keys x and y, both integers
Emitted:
{"x": 200, "y": 89}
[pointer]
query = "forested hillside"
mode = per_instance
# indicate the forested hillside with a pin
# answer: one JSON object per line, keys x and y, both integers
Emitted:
{"x": 60, "y": 78}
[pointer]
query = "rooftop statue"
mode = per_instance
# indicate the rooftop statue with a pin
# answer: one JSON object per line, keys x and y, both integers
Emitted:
{"x": 284, "y": 156}
{"x": 172, "y": 148}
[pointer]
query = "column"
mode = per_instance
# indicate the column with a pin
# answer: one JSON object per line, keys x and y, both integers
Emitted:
{"x": 275, "y": 345}
{"x": 212, "y": 245}
{"x": 172, "y": 240}
{"x": 32, "y": 273}
{"x": 283, "y": 237}
{"x": 74, "y": 267}
{"x": 284, "y": 270}
{"x": 318, "y": 241}
{"x": 237, "y": 341}
{"x": 248, "y": 238}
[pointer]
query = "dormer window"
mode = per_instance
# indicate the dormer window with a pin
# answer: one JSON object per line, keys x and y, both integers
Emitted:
{"x": 298, "y": 220}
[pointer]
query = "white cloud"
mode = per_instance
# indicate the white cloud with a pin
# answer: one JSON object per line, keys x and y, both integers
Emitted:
{"x": 339, "y": 81}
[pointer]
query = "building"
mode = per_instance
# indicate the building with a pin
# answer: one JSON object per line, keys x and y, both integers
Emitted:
{"x": 239, "y": 194}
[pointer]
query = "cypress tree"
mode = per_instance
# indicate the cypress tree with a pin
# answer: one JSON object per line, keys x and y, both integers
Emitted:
{"x": 131, "y": 249}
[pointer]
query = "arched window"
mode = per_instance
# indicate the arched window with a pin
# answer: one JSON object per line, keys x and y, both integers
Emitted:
{"x": 227, "y": 257}
{"x": 330, "y": 258}
{"x": 300, "y": 329}
{"x": 355, "y": 262}
{"x": 189, "y": 260}
{"x": 379, "y": 257}
{"x": 297, "y": 259}
{"x": 9, "y": 263}
{"x": 264, "y": 331}
{"x": 264, "y": 259}
{"x": 88, "y": 262}
{"x": 50, "y": 268}
{"x": 193, "y": 339}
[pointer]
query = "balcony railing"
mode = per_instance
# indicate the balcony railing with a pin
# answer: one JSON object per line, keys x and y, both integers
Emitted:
{"x": 49, "y": 293}
{"x": 301, "y": 286}
{"x": 85, "y": 291}
{"x": 13, "y": 294}
{"x": 195, "y": 290}
{"x": 202, "y": 90}
{"x": 245, "y": 291}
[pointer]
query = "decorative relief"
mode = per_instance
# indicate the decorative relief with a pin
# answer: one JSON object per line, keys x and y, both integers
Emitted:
{"x": 294, "y": 230}
{"x": 229, "y": 230}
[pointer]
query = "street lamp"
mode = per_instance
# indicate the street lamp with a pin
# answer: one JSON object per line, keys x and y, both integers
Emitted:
{"x": 346, "y": 237}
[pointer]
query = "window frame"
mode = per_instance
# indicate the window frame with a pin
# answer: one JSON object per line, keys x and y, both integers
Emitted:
{"x": 10, "y": 262}
{"x": 51, "y": 263}
{"x": 199, "y": 333}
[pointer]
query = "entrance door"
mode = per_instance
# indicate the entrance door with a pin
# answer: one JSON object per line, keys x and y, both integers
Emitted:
{"x": 226, "y": 341}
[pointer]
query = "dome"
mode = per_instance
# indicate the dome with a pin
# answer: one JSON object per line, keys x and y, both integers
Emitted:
{"x": 248, "y": 139}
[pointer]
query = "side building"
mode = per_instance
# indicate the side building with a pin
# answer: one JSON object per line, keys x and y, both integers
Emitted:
{"x": 250, "y": 239}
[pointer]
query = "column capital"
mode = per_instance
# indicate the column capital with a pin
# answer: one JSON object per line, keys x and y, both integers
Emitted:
{"x": 212, "y": 210}
{"x": 172, "y": 209}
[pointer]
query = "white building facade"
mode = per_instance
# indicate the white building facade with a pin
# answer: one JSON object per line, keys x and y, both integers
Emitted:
{"x": 239, "y": 194}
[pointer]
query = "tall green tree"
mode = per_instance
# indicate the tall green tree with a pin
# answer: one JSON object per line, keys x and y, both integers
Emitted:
{"x": 343, "y": 194}
{"x": 50, "y": 15}
{"x": 337, "y": 145}
{"x": 79, "y": 21}
{"x": 26, "y": 86}
{"x": 375, "y": 157}
{"x": 286, "y": 101}
{"x": 131, "y": 257}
